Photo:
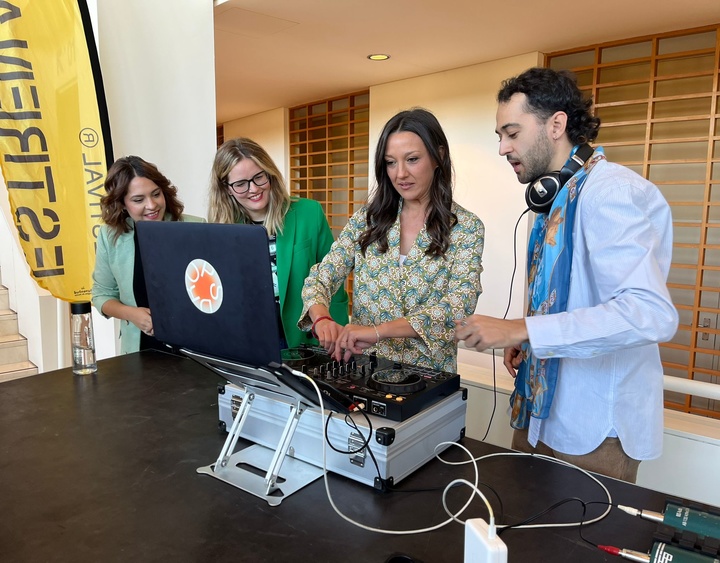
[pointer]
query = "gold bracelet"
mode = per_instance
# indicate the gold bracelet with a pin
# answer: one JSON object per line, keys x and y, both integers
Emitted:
{"x": 376, "y": 334}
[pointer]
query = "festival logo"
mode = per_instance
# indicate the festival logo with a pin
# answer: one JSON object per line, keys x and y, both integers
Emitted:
{"x": 203, "y": 286}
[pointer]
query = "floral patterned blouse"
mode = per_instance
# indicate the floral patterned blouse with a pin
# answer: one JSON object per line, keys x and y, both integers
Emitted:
{"x": 430, "y": 292}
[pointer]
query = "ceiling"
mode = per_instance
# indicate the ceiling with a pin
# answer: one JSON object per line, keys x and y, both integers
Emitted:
{"x": 282, "y": 53}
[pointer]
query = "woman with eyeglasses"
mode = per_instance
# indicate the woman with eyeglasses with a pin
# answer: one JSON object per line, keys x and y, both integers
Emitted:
{"x": 135, "y": 190}
{"x": 247, "y": 187}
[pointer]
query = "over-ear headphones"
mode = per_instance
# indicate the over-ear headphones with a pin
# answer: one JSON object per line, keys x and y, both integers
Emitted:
{"x": 542, "y": 191}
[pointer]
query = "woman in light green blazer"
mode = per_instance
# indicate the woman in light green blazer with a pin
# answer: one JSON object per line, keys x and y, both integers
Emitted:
{"x": 135, "y": 191}
{"x": 247, "y": 187}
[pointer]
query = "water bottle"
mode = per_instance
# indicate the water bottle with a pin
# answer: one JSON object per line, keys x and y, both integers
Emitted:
{"x": 83, "y": 340}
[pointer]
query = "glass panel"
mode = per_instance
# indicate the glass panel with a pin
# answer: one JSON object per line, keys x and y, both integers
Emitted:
{"x": 342, "y": 117}
{"x": 318, "y": 121}
{"x": 686, "y": 235}
{"x": 712, "y": 235}
{"x": 624, "y": 154}
{"x": 626, "y": 52}
{"x": 683, "y": 192}
{"x": 572, "y": 60}
{"x": 317, "y": 134}
{"x": 359, "y": 141}
{"x": 679, "y": 108}
{"x": 317, "y": 109}
{"x": 685, "y": 65}
{"x": 338, "y": 131}
{"x": 679, "y": 86}
{"x": 625, "y": 112}
{"x": 676, "y": 172}
{"x": 361, "y": 114}
{"x": 316, "y": 171}
{"x": 342, "y": 103}
{"x": 297, "y": 125}
{"x": 712, "y": 258}
{"x": 710, "y": 278}
{"x": 675, "y": 151}
{"x": 688, "y": 214}
{"x": 683, "y": 296}
{"x": 359, "y": 127}
{"x": 636, "y": 71}
{"x": 317, "y": 146}
{"x": 687, "y": 256}
{"x": 339, "y": 156}
{"x": 638, "y": 91}
{"x": 317, "y": 159}
{"x": 584, "y": 78}
{"x": 360, "y": 182}
{"x": 690, "y": 42}
{"x": 622, "y": 133}
{"x": 684, "y": 276}
{"x": 361, "y": 99}
{"x": 338, "y": 170}
{"x": 679, "y": 129}
{"x": 339, "y": 143}
{"x": 359, "y": 155}
{"x": 298, "y": 112}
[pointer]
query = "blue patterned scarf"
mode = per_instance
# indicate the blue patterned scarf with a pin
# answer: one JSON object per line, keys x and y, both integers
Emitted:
{"x": 550, "y": 253}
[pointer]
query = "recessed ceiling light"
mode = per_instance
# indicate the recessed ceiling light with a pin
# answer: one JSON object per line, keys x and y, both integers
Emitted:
{"x": 378, "y": 57}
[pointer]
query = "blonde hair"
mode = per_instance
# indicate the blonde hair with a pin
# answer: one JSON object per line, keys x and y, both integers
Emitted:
{"x": 224, "y": 208}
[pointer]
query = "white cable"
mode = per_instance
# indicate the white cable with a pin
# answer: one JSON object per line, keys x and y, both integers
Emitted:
{"x": 453, "y": 517}
{"x": 474, "y": 487}
{"x": 553, "y": 460}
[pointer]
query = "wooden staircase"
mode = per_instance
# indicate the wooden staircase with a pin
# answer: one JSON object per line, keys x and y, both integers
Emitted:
{"x": 13, "y": 346}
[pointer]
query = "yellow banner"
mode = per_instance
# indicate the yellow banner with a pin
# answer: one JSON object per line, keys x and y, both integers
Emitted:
{"x": 54, "y": 139}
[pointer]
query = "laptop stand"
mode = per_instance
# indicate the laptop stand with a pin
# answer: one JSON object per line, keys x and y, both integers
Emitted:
{"x": 283, "y": 474}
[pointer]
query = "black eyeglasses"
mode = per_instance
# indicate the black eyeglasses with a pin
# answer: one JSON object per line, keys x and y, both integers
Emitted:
{"x": 242, "y": 186}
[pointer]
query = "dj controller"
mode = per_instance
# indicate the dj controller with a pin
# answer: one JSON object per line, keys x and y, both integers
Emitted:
{"x": 387, "y": 389}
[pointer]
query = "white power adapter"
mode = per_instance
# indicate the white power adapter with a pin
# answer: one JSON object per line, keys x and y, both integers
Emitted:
{"x": 479, "y": 546}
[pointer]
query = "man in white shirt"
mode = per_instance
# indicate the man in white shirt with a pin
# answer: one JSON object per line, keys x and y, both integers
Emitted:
{"x": 586, "y": 360}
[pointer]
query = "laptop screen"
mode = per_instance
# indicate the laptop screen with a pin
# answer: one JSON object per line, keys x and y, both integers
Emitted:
{"x": 210, "y": 289}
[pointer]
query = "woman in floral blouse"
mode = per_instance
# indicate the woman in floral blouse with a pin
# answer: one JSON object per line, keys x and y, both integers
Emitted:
{"x": 415, "y": 252}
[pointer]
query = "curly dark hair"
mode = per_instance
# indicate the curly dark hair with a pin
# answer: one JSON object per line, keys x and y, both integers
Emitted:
{"x": 548, "y": 91}
{"x": 119, "y": 176}
{"x": 383, "y": 208}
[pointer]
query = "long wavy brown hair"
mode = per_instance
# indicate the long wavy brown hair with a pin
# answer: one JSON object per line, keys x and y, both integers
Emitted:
{"x": 121, "y": 173}
{"x": 383, "y": 208}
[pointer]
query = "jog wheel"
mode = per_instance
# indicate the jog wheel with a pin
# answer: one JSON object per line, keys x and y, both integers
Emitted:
{"x": 396, "y": 381}
{"x": 296, "y": 357}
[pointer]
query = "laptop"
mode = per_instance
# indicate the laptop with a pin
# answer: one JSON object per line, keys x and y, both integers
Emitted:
{"x": 211, "y": 294}
{"x": 210, "y": 289}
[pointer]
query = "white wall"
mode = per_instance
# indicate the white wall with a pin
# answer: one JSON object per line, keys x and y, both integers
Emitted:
{"x": 269, "y": 130}
{"x": 158, "y": 69}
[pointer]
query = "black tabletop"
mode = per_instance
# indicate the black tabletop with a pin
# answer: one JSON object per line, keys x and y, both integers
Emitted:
{"x": 103, "y": 468}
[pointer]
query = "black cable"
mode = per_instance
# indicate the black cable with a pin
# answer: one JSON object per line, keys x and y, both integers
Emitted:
{"x": 507, "y": 310}
{"x": 543, "y": 513}
{"x": 365, "y": 443}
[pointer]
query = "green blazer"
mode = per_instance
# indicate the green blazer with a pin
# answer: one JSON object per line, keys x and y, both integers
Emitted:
{"x": 113, "y": 277}
{"x": 305, "y": 240}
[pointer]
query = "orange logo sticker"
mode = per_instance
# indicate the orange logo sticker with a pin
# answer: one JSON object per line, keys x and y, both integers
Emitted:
{"x": 203, "y": 286}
